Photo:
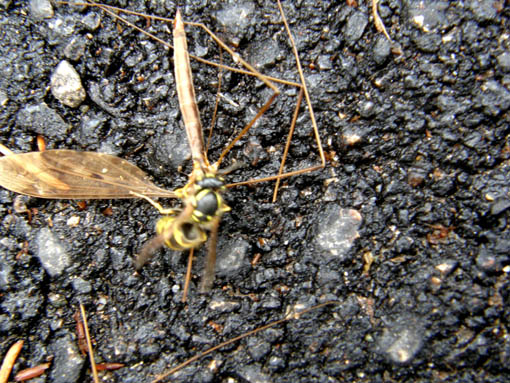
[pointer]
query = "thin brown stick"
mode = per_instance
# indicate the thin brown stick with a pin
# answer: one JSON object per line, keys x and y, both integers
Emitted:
{"x": 216, "y": 105}
{"x": 237, "y": 338}
{"x": 89, "y": 344}
{"x": 210, "y": 262}
{"x": 277, "y": 176}
{"x": 247, "y": 127}
{"x": 287, "y": 144}
{"x": 308, "y": 101}
{"x": 9, "y": 360}
{"x": 188, "y": 276}
{"x": 236, "y": 57}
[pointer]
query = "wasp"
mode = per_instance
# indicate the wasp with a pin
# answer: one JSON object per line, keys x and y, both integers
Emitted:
{"x": 68, "y": 174}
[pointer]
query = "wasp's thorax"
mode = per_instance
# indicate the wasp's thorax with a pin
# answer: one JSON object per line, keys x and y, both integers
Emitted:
{"x": 202, "y": 197}
{"x": 205, "y": 195}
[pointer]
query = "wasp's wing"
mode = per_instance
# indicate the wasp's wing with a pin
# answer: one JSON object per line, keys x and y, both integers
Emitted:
{"x": 69, "y": 174}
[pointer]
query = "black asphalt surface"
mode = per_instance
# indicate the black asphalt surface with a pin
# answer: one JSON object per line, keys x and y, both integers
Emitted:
{"x": 416, "y": 136}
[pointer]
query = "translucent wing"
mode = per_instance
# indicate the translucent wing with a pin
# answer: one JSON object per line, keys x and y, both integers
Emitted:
{"x": 69, "y": 174}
